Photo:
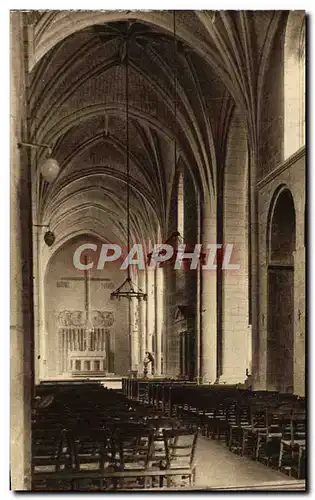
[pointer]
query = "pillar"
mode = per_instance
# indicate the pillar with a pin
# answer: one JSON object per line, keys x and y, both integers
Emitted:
{"x": 299, "y": 322}
{"x": 21, "y": 320}
{"x": 134, "y": 334}
{"x": 150, "y": 312}
{"x": 208, "y": 302}
{"x": 255, "y": 313}
{"x": 300, "y": 289}
{"x": 43, "y": 333}
{"x": 259, "y": 359}
{"x": 159, "y": 302}
{"x": 37, "y": 332}
{"x": 142, "y": 317}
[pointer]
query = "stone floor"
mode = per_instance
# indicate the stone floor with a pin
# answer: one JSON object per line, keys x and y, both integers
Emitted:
{"x": 219, "y": 467}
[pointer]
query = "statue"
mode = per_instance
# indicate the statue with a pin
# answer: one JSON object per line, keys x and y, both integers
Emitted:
{"x": 248, "y": 384}
{"x": 149, "y": 358}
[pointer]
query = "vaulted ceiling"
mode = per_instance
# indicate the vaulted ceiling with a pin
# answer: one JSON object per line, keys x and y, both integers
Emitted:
{"x": 78, "y": 104}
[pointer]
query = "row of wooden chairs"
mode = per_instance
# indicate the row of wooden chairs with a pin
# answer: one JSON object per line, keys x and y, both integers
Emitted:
{"x": 264, "y": 425}
{"x": 101, "y": 441}
{"x": 117, "y": 461}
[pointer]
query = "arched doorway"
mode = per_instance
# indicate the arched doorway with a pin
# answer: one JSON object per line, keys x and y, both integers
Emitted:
{"x": 281, "y": 245}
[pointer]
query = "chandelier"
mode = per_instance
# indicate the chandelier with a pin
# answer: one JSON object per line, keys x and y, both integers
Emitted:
{"x": 127, "y": 289}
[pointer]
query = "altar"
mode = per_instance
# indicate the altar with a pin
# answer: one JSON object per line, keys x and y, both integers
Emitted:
{"x": 85, "y": 339}
{"x": 85, "y": 352}
{"x": 84, "y": 364}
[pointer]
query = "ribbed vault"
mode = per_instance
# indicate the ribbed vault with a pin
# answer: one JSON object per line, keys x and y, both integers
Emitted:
{"x": 77, "y": 104}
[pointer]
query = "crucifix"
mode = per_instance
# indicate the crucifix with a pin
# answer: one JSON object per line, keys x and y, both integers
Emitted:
{"x": 87, "y": 279}
{"x": 87, "y": 343}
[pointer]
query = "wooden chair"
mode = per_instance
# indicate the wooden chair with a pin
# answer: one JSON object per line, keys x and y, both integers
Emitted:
{"x": 93, "y": 457}
{"x": 293, "y": 446}
{"x": 268, "y": 440}
{"x": 58, "y": 458}
{"x": 180, "y": 447}
{"x": 220, "y": 420}
{"x": 51, "y": 449}
{"x": 250, "y": 432}
{"x": 240, "y": 422}
{"x": 132, "y": 452}
{"x": 90, "y": 448}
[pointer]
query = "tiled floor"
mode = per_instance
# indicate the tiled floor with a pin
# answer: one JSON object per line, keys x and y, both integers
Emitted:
{"x": 217, "y": 466}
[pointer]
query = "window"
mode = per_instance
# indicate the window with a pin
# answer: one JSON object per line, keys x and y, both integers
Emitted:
{"x": 294, "y": 84}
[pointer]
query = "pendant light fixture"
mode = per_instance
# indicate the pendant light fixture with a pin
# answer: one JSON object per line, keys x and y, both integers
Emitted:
{"x": 50, "y": 167}
{"x": 128, "y": 289}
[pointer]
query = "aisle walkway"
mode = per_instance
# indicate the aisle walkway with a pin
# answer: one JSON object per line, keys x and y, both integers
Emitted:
{"x": 217, "y": 466}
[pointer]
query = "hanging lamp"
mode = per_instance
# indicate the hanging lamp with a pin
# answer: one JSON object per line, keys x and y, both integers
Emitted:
{"x": 50, "y": 167}
{"x": 127, "y": 289}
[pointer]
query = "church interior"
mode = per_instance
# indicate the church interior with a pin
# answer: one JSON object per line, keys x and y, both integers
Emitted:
{"x": 182, "y": 130}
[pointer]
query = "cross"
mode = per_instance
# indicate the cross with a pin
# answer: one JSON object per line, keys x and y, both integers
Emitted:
{"x": 87, "y": 298}
{"x": 87, "y": 287}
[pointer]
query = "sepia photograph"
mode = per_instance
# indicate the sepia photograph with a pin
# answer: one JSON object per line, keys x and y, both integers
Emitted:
{"x": 158, "y": 235}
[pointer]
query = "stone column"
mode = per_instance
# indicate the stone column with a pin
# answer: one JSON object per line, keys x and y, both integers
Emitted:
{"x": 159, "y": 302}
{"x": 208, "y": 283}
{"x": 300, "y": 289}
{"x": 130, "y": 326}
{"x": 299, "y": 322}
{"x": 134, "y": 334}
{"x": 21, "y": 321}
{"x": 142, "y": 317}
{"x": 168, "y": 320}
{"x": 37, "y": 332}
{"x": 254, "y": 269}
{"x": 260, "y": 359}
{"x": 150, "y": 312}
{"x": 43, "y": 334}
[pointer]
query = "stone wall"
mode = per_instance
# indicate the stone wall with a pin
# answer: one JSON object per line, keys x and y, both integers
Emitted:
{"x": 290, "y": 174}
{"x": 272, "y": 109}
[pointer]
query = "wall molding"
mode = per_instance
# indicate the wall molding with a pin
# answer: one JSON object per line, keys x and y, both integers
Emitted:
{"x": 281, "y": 168}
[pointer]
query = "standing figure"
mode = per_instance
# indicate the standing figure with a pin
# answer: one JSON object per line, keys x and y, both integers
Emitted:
{"x": 149, "y": 358}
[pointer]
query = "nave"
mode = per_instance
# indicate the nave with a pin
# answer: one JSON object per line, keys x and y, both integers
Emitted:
{"x": 176, "y": 139}
{"x": 153, "y": 435}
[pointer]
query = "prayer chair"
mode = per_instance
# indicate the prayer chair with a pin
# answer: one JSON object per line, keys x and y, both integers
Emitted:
{"x": 180, "y": 447}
